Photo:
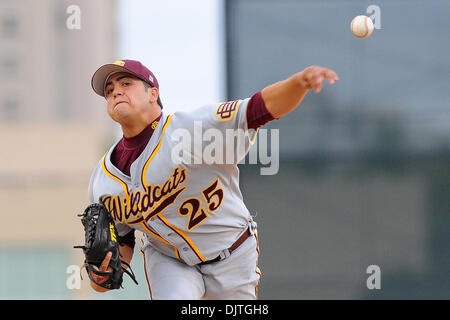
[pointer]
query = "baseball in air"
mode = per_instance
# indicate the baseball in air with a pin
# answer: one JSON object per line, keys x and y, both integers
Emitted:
{"x": 361, "y": 26}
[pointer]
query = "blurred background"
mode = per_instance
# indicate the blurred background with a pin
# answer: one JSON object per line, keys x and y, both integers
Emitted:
{"x": 364, "y": 174}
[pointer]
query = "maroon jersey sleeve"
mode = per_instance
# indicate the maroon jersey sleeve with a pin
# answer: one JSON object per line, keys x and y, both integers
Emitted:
{"x": 257, "y": 114}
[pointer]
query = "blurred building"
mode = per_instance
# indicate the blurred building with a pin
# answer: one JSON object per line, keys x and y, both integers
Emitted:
{"x": 364, "y": 164}
{"x": 53, "y": 130}
{"x": 381, "y": 105}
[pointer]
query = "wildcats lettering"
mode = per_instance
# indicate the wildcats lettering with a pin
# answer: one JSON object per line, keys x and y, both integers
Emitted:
{"x": 142, "y": 205}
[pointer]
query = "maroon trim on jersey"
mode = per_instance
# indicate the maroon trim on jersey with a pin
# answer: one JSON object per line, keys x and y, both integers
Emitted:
{"x": 129, "y": 149}
{"x": 144, "y": 169}
{"x": 257, "y": 113}
{"x": 114, "y": 176}
{"x": 147, "y": 277}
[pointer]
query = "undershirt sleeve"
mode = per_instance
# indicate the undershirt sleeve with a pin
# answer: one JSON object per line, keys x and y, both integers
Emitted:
{"x": 257, "y": 113}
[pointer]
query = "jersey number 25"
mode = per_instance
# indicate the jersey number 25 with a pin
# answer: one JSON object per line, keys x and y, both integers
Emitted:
{"x": 192, "y": 207}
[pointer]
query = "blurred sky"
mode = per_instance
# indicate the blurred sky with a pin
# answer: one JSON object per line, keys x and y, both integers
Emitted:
{"x": 181, "y": 42}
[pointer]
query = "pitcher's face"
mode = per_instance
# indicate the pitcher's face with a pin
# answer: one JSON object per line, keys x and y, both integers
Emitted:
{"x": 127, "y": 98}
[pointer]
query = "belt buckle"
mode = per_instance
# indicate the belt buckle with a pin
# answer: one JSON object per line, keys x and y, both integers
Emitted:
{"x": 224, "y": 254}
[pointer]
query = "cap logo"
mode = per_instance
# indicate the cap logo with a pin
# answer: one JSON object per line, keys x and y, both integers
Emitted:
{"x": 150, "y": 78}
{"x": 119, "y": 63}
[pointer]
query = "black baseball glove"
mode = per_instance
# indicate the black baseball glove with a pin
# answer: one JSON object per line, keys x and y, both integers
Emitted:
{"x": 100, "y": 238}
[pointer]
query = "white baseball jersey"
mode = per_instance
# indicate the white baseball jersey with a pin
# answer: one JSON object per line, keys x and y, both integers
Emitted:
{"x": 189, "y": 206}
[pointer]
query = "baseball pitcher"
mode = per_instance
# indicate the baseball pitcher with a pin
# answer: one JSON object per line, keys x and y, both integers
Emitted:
{"x": 199, "y": 239}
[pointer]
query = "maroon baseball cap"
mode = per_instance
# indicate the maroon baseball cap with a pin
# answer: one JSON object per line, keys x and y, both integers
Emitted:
{"x": 133, "y": 67}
